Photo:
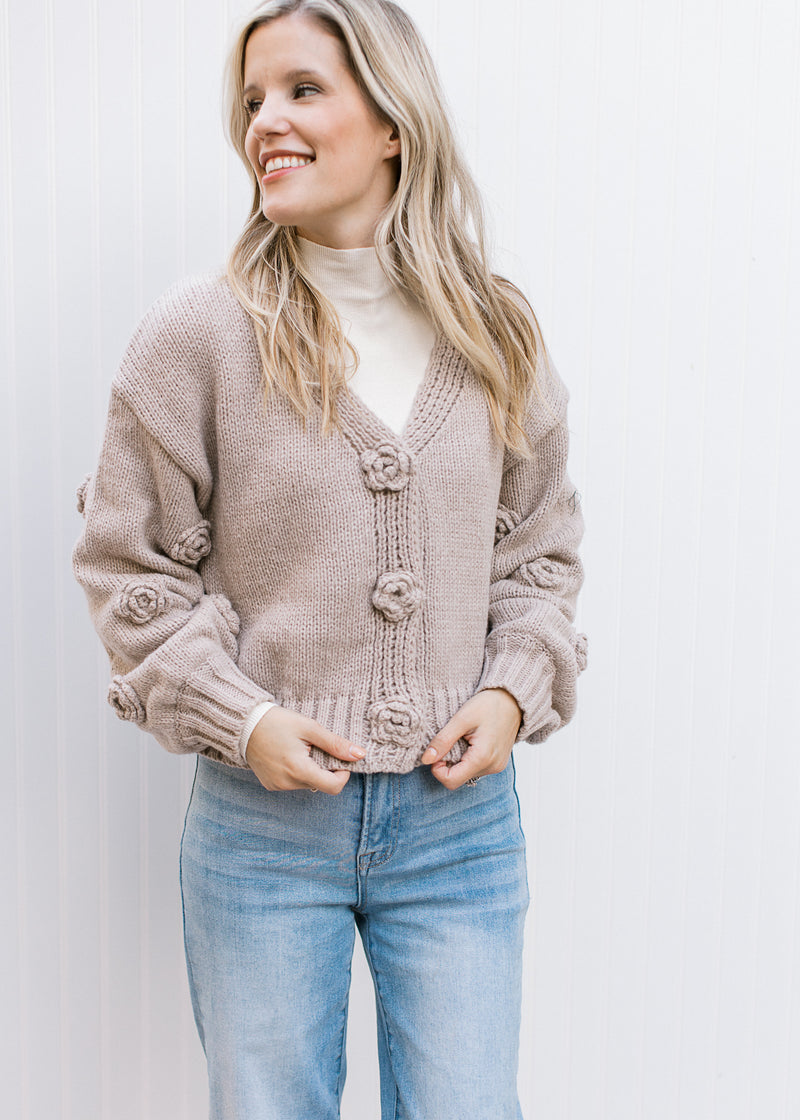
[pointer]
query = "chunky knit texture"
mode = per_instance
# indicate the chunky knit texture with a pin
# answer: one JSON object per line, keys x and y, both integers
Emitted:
{"x": 391, "y": 334}
{"x": 369, "y": 580}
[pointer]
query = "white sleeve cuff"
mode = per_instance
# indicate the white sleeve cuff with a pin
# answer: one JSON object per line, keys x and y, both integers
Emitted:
{"x": 250, "y": 723}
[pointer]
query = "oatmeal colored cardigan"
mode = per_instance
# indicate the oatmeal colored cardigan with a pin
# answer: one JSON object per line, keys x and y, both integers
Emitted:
{"x": 391, "y": 334}
{"x": 371, "y": 581}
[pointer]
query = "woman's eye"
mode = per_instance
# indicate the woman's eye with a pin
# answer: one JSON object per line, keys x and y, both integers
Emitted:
{"x": 253, "y": 104}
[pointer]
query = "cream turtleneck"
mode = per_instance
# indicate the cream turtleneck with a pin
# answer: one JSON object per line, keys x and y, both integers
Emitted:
{"x": 392, "y": 336}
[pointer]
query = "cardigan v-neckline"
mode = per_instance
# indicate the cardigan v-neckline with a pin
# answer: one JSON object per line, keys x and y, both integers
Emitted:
{"x": 435, "y": 396}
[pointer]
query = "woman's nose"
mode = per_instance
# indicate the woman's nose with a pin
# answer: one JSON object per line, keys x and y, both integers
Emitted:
{"x": 270, "y": 119}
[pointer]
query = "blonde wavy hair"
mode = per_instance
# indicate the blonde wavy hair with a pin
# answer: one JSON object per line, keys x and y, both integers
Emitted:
{"x": 430, "y": 241}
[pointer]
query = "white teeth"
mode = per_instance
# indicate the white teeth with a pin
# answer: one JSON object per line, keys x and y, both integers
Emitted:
{"x": 279, "y": 162}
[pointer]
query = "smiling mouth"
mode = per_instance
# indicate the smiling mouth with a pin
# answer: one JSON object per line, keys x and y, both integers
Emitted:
{"x": 284, "y": 163}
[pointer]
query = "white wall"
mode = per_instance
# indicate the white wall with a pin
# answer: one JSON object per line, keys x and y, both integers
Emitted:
{"x": 640, "y": 159}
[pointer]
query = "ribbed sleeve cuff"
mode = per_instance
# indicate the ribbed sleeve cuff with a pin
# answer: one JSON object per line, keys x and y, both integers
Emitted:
{"x": 250, "y": 725}
{"x": 528, "y": 676}
{"x": 213, "y": 706}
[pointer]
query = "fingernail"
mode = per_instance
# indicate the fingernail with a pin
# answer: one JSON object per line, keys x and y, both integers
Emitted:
{"x": 357, "y": 752}
{"x": 430, "y": 755}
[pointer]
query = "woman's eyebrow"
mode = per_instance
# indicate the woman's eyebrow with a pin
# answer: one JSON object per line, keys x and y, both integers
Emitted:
{"x": 297, "y": 75}
{"x": 292, "y": 76}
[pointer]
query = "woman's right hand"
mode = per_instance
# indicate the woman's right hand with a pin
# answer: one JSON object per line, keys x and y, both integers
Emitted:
{"x": 279, "y": 752}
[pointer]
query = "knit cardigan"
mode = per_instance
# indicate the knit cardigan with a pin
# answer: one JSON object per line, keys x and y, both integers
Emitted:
{"x": 391, "y": 334}
{"x": 369, "y": 580}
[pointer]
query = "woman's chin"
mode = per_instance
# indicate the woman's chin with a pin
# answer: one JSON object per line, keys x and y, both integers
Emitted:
{"x": 281, "y": 215}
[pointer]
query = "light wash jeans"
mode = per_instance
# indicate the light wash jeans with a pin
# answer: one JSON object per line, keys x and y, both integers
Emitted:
{"x": 274, "y": 886}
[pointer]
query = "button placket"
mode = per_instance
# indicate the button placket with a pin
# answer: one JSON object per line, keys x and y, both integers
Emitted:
{"x": 394, "y": 717}
{"x": 388, "y": 464}
{"x": 387, "y": 470}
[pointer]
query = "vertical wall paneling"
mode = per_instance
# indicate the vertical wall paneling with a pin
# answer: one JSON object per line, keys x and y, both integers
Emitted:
{"x": 13, "y": 1057}
{"x": 782, "y": 835}
{"x": 641, "y": 168}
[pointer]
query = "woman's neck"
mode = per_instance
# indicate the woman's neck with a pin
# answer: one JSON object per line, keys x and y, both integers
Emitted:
{"x": 352, "y": 276}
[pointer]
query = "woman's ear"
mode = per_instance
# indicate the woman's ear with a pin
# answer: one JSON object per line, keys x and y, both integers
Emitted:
{"x": 393, "y": 145}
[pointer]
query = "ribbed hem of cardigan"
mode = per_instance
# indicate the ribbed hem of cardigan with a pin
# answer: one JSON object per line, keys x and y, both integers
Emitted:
{"x": 212, "y": 708}
{"x": 348, "y": 715}
{"x": 529, "y": 679}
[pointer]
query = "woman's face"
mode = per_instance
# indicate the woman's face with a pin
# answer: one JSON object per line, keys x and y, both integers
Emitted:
{"x": 307, "y": 112}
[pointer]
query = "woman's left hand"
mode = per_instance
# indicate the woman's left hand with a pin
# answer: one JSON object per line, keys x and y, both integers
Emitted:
{"x": 489, "y": 721}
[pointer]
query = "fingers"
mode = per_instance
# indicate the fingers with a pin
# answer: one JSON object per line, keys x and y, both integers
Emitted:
{"x": 330, "y": 781}
{"x": 454, "y": 775}
{"x": 278, "y": 753}
{"x": 282, "y": 724}
{"x": 336, "y": 744}
{"x": 442, "y": 742}
{"x": 313, "y": 777}
{"x": 488, "y": 721}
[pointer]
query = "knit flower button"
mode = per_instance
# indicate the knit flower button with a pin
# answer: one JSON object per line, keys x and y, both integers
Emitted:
{"x": 81, "y": 492}
{"x": 506, "y": 521}
{"x": 544, "y": 573}
{"x": 140, "y": 601}
{"x": 581, "y": 645}
{"x": 193, "y": 545}
{"x": 386, "y": 467}
{"x": 124, "y": 700}
{"x": 394, "y": 721}
{"x": 225, "y": 608}
{"x": 397, "y": 595}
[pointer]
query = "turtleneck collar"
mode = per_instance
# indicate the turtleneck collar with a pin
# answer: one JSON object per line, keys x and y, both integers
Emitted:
{"x": 351, "y": 275}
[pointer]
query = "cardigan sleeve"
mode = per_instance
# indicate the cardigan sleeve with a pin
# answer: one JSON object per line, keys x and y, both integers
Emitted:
{"x": 172, "y": 647}
{"x": 532, "y": 648}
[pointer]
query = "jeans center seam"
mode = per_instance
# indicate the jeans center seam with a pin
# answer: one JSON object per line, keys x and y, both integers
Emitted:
{"x": 379, "y": 856}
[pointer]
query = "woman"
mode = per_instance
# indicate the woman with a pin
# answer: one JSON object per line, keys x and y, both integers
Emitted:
{"x": 330, "y": 547}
